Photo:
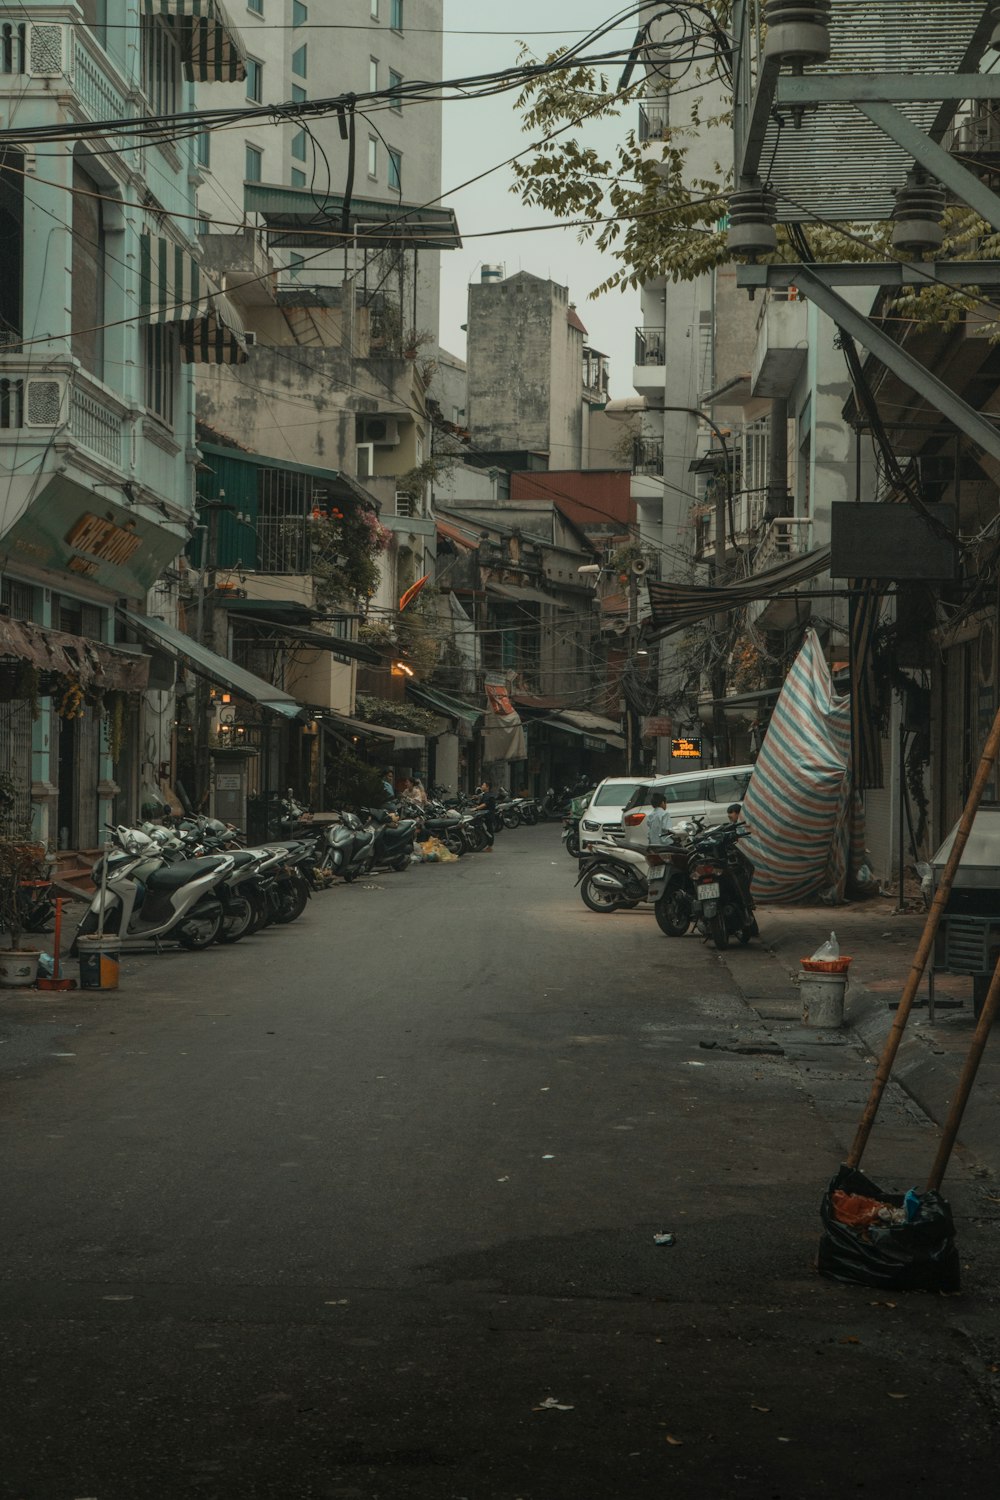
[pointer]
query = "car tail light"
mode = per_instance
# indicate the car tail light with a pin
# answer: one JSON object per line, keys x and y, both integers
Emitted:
{"x": 632, "y": 820}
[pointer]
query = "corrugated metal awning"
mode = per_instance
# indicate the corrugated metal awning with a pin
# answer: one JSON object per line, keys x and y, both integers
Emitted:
{"x": 89, "y": 663}
{"x": 216, "y": 668}
{"x": 521, "y": 593}
{"x": 211, "y": 48}
{"x": 175, "y": 290}
{"x": 305, "y": 218}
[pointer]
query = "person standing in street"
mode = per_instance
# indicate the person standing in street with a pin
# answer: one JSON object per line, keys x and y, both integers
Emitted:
{"x": 658, "y": 821}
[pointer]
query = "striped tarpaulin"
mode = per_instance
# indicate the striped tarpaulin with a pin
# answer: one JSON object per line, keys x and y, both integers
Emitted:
{"x": 174, "y": 289}
{"x": 801, "y": 807}
{"x": 211, "y": 48}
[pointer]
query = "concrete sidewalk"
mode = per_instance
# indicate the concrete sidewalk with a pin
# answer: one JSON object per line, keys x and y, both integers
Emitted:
{"x": 882, "y": 943}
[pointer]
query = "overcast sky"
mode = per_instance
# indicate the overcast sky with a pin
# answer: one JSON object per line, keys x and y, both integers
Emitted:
{"x": 483, "y": 132}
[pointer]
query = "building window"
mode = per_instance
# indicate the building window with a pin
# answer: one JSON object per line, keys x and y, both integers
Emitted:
{"x": 254, "y": 169}
{"x": 299, "y": 95}
{"x": 256, "y": 6}
{"x": 372, "y": 156}
{"x": 300, "y": 61}
{"x": 298, "y": 178}
{"x": 162, "y": 364}
{"x": 374, "y": 10}
{"x": 396, "y": 14}
{"x": 90, "y": 272}
{"x": 203, "y": 224}
{"x": 161, "y": 67}
{"x": 300, "y": 13}
{"x": 203, "y": 149}
{"x": 12, "y": 240}
{"x": 373, "y": 74}
{"x": 255, "y": 80}
{"x": 295, "y": 264}
{"x": 394, "y": 170}
{"x": 395, "y": 83}
{"x": 283, "y": 504}
{"x": 299, "y": 145}
{"x": 95, "y": 13}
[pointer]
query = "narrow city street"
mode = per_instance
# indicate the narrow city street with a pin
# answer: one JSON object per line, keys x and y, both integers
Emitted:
{"x": 364, "y": 1208}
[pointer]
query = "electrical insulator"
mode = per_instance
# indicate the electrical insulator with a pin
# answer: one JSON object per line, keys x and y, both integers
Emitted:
{"x": 751, "y": 222}
{"x": 916, "y": 218}
{"x": 797, "y": 33}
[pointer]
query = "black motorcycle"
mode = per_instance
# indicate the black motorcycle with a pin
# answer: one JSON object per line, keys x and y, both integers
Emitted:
{"x": 720, "y": 874}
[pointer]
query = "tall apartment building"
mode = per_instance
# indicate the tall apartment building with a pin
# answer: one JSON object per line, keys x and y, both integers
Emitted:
{"x": 298, "y": 52}
{"x": 102, "y": 312}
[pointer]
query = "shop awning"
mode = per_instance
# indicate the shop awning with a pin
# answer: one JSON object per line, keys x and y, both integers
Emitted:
{"x": 211, "y": 48}
{"x": 216, "y": 668}
{"x": 466, "y": 717}
{"x": 399, "y": 739}
{"x": 304, "y": 218}
{"x": 522, "y": 593}
{"x": 675, "y": 606}
{"x": 174, "y": 289}
{"x": 601, "y": 734}
{"x": 317, "y": 640}
{"x": 86, "y": 662}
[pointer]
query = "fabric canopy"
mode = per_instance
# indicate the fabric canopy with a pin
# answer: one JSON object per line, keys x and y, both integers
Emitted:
{"x": 176, "y": 290}
{"x": 216, "y": 668}
{"x": 399, "y": 739}
{"x": 609, "y": 738}
{"x": 318, "y": 640}
{"x": 86, "y": 662}
{"x": 465, "y": 716}
{"x": 675, "y": 606}
{"x": 522, "y": 593}
{"x": 211, "y": 48}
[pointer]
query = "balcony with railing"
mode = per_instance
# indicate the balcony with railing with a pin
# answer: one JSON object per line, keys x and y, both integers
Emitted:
{"x": 647, "y": 456}
{"x": 654, "y": 119}
{"x": 782, "y": 338}
{"x": 97, "y": 421}
{"x": 785, "y": 537}
{"x": 649, "y": 370}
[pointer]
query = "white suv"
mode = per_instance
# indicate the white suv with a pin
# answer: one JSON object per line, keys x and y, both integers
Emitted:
{"x": 702, "y": 794}
{"x": 602, "y": 818}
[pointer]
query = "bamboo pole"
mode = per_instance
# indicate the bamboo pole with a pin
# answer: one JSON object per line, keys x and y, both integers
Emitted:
{"x": 941, "y": 895}
{"x": 991, "y": 1005}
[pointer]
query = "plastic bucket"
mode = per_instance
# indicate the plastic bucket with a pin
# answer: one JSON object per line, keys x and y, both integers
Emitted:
{"x": 18, "y": 968}
{"x": 822, "y": 998}
{"x": 99, "y": 958}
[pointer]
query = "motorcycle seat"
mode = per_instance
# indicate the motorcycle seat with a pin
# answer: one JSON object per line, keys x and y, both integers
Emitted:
{"x": 241, "y": 857}
{"x": 172, "y": 877}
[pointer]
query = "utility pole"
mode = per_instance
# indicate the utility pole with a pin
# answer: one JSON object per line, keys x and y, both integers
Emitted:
{"x": 633, "y": 728}
{"x": 717, "y": 674}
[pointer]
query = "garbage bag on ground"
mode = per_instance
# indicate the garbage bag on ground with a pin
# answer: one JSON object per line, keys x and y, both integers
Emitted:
{"x": 880, "y": 1247}
{"x": 433, "y": 852}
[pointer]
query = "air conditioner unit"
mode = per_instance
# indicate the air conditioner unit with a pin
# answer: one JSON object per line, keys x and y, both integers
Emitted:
{"x": 46, "y": 49}
{"x": 366, "y": 460}
{"x": 383, "y": 432}
{"x": 249, "y": 338}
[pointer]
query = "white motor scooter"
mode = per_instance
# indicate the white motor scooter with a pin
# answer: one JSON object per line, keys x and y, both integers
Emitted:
{"x": 147, "y": 901}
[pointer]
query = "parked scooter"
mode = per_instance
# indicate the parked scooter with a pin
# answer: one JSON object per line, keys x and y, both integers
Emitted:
{"x": 350, "y": 850}
{"x": 571, "y": 824}
{"x": 723, "y": 904}
{"x": 612, "y": 876}
{"x": 393, "y": 841}
{"x": 147, "y": 900}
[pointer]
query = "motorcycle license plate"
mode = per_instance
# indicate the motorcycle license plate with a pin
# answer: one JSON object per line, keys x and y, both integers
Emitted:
{"x": 708, "y": 892}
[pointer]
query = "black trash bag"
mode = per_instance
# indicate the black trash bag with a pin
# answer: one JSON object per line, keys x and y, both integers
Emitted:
{"x": 918, "y": 1257}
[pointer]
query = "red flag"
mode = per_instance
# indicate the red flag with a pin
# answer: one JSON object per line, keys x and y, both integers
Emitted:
{"x": 412, "y": 592}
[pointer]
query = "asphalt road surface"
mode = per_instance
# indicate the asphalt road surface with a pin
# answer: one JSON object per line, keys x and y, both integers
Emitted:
{"x": 364, "y": 1208}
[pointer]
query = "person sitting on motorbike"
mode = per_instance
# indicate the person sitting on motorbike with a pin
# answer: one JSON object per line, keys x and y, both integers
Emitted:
{"x": 657, "y": 827}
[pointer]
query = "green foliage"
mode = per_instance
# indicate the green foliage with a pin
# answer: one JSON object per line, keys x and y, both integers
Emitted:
{"x": 344, "y": 556}
{"x": 19, "y": 858}
{"x": 350, "y": 783}
{"x": 406, "y": 716}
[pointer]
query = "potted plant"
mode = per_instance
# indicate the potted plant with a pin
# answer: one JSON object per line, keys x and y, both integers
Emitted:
{"x": 19, "y": 861}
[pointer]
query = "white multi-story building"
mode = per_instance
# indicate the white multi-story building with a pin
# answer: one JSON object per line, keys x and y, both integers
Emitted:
{"x": 297, "y": 54}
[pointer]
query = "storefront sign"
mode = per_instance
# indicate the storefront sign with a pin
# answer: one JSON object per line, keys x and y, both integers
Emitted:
{"x": 591, "y": 743}
{"x": 657, "y": 728}
{"x": 685, "y": 749}
{"x": 102, "y": 541}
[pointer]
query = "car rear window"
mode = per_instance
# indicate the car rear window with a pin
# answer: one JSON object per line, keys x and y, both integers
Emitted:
{"x": 614, "y": 796}
{"x": 730, "y": 788}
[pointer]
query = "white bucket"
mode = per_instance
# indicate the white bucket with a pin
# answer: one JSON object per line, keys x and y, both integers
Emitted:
{"x": 822, "y": 998}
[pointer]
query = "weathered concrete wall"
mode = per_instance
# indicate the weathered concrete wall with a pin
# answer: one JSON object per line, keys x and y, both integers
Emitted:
{"x": 565, "y": 445}
{"x": 510, "y": 344}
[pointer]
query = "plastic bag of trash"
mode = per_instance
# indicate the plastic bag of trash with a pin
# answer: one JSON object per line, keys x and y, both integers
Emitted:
{"x": 925, "y": 874}
{"x": 829, "y": 949}
{"x": 905, "y": 1243}
{"x": 436, "y": 853}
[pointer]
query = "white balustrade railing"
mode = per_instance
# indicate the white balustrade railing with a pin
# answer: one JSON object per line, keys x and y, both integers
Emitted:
{"x": 786, "y": 536}
{"x": 96, "y": 424}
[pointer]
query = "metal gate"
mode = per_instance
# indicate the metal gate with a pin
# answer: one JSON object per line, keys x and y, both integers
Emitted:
{"x": 16, "y": 722}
